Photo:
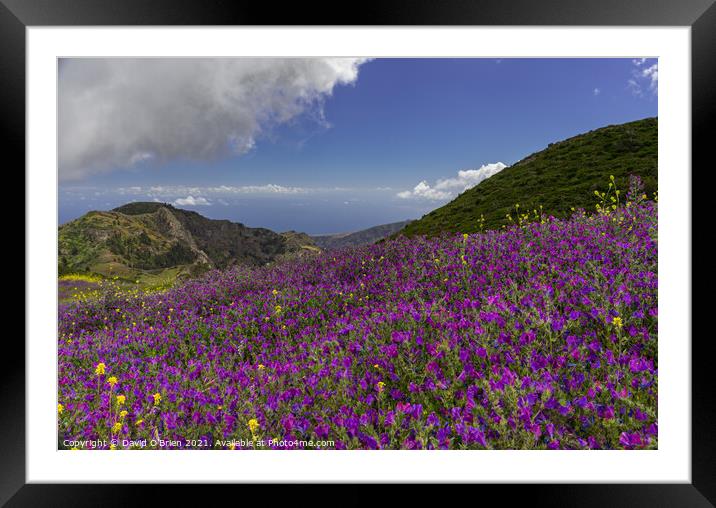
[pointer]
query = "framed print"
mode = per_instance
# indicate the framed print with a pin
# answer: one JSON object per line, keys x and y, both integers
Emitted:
{"x": 418, "y": 245}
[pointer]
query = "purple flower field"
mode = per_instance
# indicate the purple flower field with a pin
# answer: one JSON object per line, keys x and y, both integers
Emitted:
{"x": 538, "y": 336}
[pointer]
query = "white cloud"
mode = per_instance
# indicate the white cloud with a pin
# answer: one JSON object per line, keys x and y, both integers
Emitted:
{"x": 117, "y": 113}
{"x": 258, "y": 189}
{"x": 169, "y": 191}
{"x": 652, "y": 74}
{"x": 450, "y": 187}
{"x": 597, "y": 91}
{"x": 192, "y": 201}
{"x": 644, "y": 78}
{"x": 216, "y": 195}
{"x": 424, "y": 191}
{"x": 140, "y": 157}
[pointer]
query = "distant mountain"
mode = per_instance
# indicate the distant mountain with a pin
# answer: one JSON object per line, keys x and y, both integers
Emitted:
{"x": 358, "y": 238}
{"x": 562, "y": 176}
{"x": 146, "y": 237}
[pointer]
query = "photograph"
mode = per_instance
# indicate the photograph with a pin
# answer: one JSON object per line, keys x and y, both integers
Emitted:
{"x": 333, "y": 253}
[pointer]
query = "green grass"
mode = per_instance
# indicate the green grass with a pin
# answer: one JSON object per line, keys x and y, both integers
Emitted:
{"x": 112, "y": 244}
{"x": 559, "y": 178}
{"x": 87, "y": 286}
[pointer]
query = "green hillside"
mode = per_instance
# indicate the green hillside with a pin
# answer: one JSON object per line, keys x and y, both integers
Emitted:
{"x": 158, "y": 243}
{"x": 562, "y": 176}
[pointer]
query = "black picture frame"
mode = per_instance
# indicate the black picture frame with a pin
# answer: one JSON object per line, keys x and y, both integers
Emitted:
{"x": 700, "y": 15}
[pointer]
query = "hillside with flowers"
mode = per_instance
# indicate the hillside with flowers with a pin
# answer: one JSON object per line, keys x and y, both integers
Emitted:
{"x": 540, "y": 335}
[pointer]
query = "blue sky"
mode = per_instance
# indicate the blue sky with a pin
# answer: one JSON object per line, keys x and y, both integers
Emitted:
{"x": 322, "y": 147}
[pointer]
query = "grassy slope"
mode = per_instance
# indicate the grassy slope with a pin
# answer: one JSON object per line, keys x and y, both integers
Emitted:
{"x": 562, "y": 176}
{"x": 113, "y": 245}
{"x": 95, "y": 240}
{"x": 151, "y": 245}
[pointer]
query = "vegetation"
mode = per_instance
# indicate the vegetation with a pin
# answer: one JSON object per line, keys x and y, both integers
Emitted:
{"x": 558, "y": 179}
{"x": 148, "y": 243}
{"x": 541, "y": 335}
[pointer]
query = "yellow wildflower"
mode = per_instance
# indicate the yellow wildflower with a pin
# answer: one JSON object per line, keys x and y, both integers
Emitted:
{"x": 123, "y": 413}
{"x": 99, "y": 369}
{"x": 253, "y": 425}
{"x": 617, "y": 321}
{"x": 112, "y": 380}
{"x": 121, "y": 399}
{"x": 278, "y": 309}
{"x": 113, "y": 447}
{"x": 274, "y": 292}
{"x": 261, "y": 366}
{"x": 60, "y": 408}
{"x": 116, "y": 427}
{"x": 139, "y": 422}
{"x": 157, "y": 398}
{"x": 381, "y": 386}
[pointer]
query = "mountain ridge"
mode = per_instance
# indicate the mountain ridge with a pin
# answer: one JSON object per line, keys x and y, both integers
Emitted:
{"x": 147, "y": 238}
{"x": 358, "y": 238}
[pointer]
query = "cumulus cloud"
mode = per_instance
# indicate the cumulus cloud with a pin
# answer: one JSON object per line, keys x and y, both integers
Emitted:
{"x": 644, "y": 78}
{"x": 192, "y": 201}
{"x": 424, "y": 191}
{"x": 450, "y": 187}
{"x": 119, "y": 113}
{"x": 651, "y": 73}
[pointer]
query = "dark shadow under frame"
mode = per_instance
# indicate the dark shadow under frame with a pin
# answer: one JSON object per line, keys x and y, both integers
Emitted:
{"x": 16, "y": 15}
